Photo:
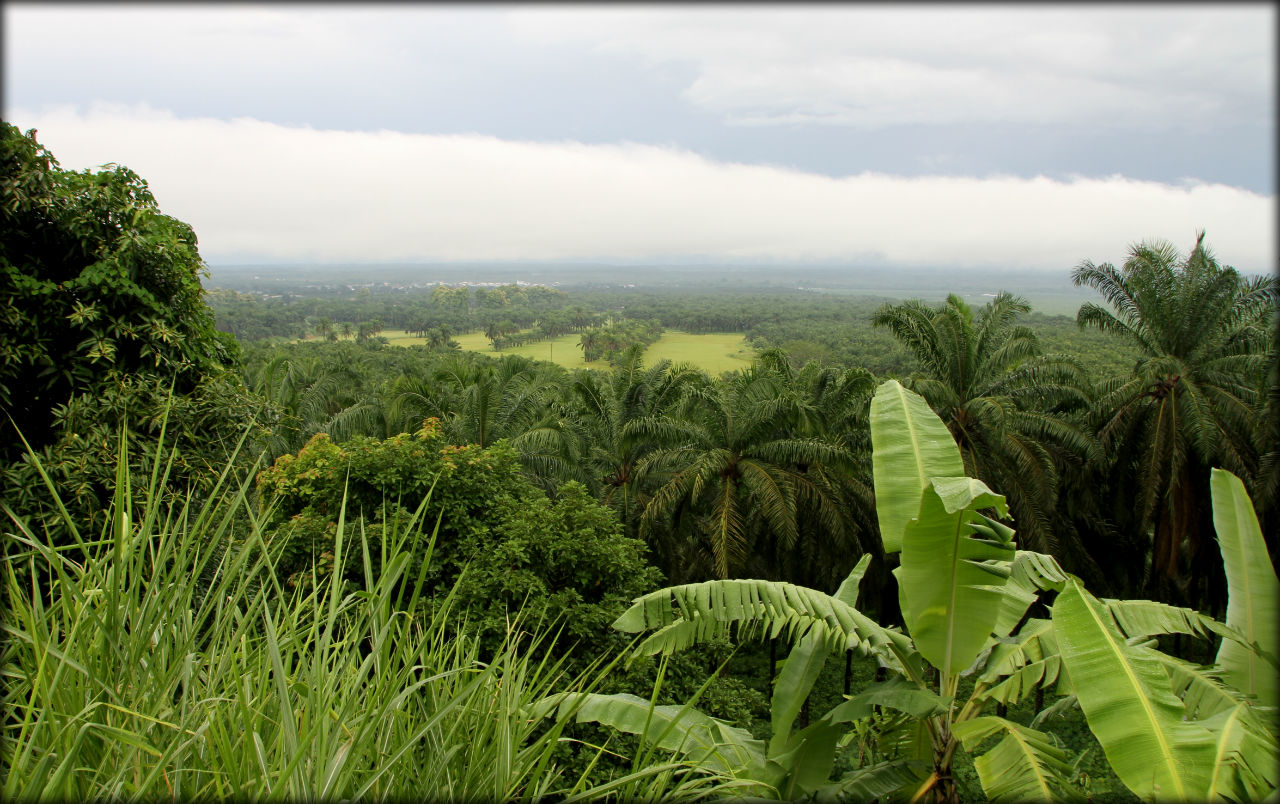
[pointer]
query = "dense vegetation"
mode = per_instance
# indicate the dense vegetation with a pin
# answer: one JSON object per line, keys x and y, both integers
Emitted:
{"x": 249, "y": 566}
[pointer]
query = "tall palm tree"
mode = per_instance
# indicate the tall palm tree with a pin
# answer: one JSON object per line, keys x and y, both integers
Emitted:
{"x": 1192, "y": 401}
{"x": 726, "y": 474}
{"x": 611, "y": 409}
{"x": 1002, "y": 399}
{"x": 830, "y": 405}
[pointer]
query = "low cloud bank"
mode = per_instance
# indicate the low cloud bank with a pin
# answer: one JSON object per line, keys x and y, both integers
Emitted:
{"x": 250, "y": 187}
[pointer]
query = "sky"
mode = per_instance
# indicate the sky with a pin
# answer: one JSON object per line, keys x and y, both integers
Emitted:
{"x": 956, "y": 136}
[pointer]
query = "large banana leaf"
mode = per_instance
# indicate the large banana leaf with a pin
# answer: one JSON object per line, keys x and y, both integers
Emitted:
{"x": 910, "y": 444}
{"x": 1013, "y": 605}
{"x": 1018, "y": 664}
{"x": 1201, "y": 689}
{"x": 692, "y": 613}
{"x": 874, "y": 782}
{"x": 950, "y": 597}
{"x": 1148, "y": 618}
{"x": 894, "y": 693}
{"x": 1023, "y": 766}
{"x": 702, "y": 739}
{"x": 1029, "y": 574}
{"x": 790, "y": 689}
{"x": 1253, "y": 594}
{"x": 807, "y": 760}
{"x": 1127, "y": 701}
{"x": 848, "y": 591}
{"x": 1245, "y": 767}
{"x": 1038, "y": 571}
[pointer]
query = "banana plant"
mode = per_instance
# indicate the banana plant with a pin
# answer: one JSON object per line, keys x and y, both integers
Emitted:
{"x": 793, "y": 762}
{"x": 962, "y": 578}
{"x": 1170, "y": 729}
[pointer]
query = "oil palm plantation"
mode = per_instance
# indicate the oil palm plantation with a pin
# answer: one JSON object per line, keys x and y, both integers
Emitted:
{"x": 830, "y": 405}
{"x": 1003, "y": 401}
{"x": 1193, "y": 400}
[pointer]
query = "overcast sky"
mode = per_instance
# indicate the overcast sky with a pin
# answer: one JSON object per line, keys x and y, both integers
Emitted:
{"x": 1029, "y": 136}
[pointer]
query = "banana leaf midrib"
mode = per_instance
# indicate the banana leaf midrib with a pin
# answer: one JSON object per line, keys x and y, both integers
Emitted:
{"x": 1135, "y": 684}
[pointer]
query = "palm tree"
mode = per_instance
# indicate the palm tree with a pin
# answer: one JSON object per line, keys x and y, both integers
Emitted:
{"x": 1002, "y": 399}
{"x": 515, "y": 398}
{"x": 726, "y": 471}
{"x": 313, "y": 395}
{"x": 830, "y": 405}
{"x": 610, "y": 408}
{"x": 1192, "y": 401}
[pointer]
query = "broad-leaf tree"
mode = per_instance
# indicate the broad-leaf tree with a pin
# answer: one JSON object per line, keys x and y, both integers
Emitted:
{"x": 97, "y": 282}
{"x": 103, "y": 323}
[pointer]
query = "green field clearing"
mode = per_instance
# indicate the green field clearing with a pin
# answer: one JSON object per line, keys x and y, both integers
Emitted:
{"x": 711, "y": 353}
{"x": 563, "y": 350}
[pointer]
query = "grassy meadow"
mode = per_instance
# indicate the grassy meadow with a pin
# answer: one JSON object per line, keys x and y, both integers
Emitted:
{"x": 714, "y": 354}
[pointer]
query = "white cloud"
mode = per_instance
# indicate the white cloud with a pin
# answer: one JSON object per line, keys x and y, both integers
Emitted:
{"x": 254, "y": 188}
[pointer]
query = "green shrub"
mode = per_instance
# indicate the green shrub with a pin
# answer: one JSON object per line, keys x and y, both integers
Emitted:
{"x": 501, "y": 545}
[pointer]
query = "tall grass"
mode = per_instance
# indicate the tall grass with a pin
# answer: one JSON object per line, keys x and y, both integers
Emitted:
{"x": 162, "y": 659}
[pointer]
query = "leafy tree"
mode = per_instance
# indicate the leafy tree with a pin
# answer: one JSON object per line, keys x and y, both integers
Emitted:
{"x": 456, "y": 299}
{"x": 98, "y": 282}
{"x": 103, "y": 330}
{"x": 1205, "y": 335}
{"x": 563, "y": 558}
{"x": 500, "y": 544}
{"x": 185, "y": 440}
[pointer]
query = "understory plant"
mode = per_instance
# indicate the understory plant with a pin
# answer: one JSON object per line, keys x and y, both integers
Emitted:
{"x": 163, "y": 658}
{"x": 1170, "y": 729}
